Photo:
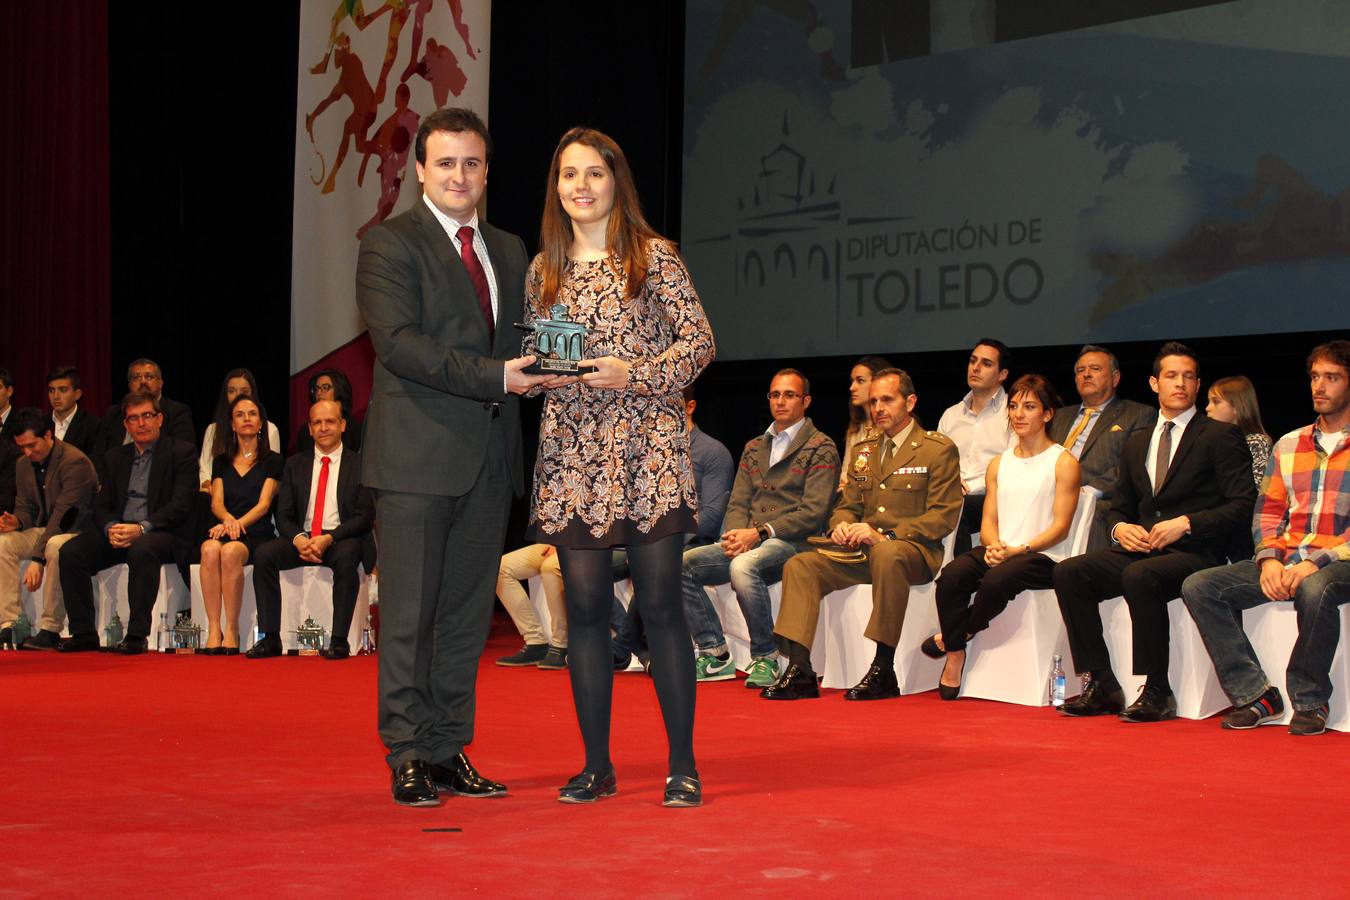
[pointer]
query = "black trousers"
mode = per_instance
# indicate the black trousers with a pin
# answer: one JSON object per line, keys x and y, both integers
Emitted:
{"x": 89, "y": 553}
{"x": 1148, "y": 581}
{"x": 972, "y": 517}
{"x": 279, "y": 555}
{"x": 994, "y": 588}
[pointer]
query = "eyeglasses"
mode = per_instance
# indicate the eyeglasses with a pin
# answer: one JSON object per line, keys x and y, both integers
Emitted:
{"x": 789, "y": 396}
{"x": 141, "y": 417}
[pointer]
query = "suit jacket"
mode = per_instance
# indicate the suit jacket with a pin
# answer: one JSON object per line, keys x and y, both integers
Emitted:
{"x": 1099, "y": 462}
{"x": 917, "y": 494}
{"x": 438, "y": 378}
{"x": 173, "y": 484}
{"x": 792, "y": 497}
{"x": 1209, "y": 480}
{"x": 86, "y": 434}
{"x": 356, "y": 507}
{"x": 177, "y": 424}
{"x": 69, "y": 489}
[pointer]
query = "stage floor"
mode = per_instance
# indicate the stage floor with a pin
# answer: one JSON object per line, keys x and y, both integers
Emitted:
{"x": 160, "y": 775}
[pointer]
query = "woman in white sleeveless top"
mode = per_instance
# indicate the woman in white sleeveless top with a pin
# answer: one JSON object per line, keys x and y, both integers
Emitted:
{"x": 1031, "y": 497}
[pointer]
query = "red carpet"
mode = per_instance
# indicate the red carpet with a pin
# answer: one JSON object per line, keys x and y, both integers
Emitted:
{"x": 207, "y": 776}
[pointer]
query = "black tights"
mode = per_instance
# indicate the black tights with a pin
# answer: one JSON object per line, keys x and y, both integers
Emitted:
{"x": 588, "y": 582}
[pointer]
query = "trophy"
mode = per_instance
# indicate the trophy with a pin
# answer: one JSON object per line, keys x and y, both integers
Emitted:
{"x": 187, "y": 635}
{"x": 310, "y": 636}
{"x": 367, "y": 647}
{"x": 558, "y": 344}
{"x": 112, "y": 632}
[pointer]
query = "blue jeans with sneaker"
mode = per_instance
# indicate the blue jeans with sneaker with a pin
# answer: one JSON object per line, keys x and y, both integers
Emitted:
{"x": 750, "y": 575}
{"x": 1216, "y": 598}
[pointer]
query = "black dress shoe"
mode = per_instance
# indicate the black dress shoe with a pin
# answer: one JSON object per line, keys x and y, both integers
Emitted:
{"x": 1096, "y": 701}
{"x": 683, "y": 791}
{"x": 588, "y": 787}
{"x": 1153, "y": 705}
{"x": 43, "y": 640}
{"x": 878, "y": 684}
{"x": 336, "y": 650}
{"x": 930, "y": 648}
{"x": 460, "y": 776}
{"x": 269, "y": 646}
{"x": 79, "y": 643}
{"x": 411, "y": 783}
{"x": 795, "y": 684}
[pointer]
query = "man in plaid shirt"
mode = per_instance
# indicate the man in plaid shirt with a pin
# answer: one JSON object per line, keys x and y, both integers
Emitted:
{"x": 1301, "y": 526}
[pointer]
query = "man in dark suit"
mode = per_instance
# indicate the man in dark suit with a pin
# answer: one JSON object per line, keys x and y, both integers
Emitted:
{"x": 439, "y": 291}
{"x": 139, "y": 514}
{"x": 1182, "y": 503}
{"x": 1099, "y": 426}
{"x": 144, "y": 378}
{"x": 325, "y": 484}
{"x": 70, "y": 424}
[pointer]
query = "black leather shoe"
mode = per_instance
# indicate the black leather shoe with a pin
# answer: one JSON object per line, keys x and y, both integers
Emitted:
{"x": 683, "y": 791}
{"x": 130, "y": 646}
{"x": 411, "y": 784}
{"x": 1096, "y": 701}
{"x": 793, "y": 685}
{"x": 269, "y": 646}
{"x": 1153, "y": 705}
{"x": 43, "y": 640}
{"x": 588, "y": 787}
{"x": 79, "y": 643}
{"x": 460, "y": 776}
{"x": 878, "y": 684}
{"x": 336, "y": 650}
{"x": 930, "y": 648}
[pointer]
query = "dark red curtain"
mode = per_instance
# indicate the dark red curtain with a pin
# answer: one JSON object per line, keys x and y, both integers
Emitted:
{"x": 54, "y": 185}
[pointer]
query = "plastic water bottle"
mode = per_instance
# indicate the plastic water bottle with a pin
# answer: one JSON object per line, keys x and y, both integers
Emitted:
{"x": 1057, "y": 682}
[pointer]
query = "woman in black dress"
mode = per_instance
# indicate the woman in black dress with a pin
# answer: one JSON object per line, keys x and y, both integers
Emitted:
{"x": 244, "y": 480}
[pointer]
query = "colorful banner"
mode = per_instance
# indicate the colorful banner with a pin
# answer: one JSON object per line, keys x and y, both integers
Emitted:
{"x": 367, "y": 74}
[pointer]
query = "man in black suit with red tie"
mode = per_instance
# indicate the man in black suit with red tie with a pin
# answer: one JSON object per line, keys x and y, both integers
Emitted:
{"x": 1183, "y": 502}
{"x": 324, "y": 518}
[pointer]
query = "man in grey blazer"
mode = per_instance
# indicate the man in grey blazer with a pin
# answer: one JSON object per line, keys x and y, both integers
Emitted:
{"x": 1099, "y": 426}
{"x": 439, "y": 291}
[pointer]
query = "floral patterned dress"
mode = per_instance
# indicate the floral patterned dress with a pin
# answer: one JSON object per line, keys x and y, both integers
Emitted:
{"x": 613, "y": 467}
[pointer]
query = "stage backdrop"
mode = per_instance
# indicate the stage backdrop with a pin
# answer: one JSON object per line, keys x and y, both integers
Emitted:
{"x": 368, "y": 72}
{"x": 872, "y": 176}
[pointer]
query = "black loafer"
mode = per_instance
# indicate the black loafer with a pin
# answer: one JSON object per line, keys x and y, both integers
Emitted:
{"x": 459, "y": 776}
{"x": 79, "y": 643}
{"x": 1153, "y": 705}
{"x": 268, "y": 647}
{"x": 588, "y": 787}
{"x": 411, "y": 784}
{"x": 794, "y": 684}
{"x": 930, "y": 648}
{"x": 878, "y": 684}
{"x": 1096, "y": 701}
{"x": 683, "y": 791}
{"x": 131, "y": 646}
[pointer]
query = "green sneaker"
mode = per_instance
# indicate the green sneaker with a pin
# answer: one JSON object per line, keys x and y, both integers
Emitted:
{"x": 763, "y": 672}
{"x": 710, "y": 668}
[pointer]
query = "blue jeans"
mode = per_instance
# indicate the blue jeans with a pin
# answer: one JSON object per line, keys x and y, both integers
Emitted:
{"x": 750, "y": 575}
{"x": 1216, "y": 598}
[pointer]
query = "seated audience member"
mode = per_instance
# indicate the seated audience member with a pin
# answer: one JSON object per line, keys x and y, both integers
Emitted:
{"x": 978, "y": 425}
{"x": 325, "y": 518}
{"x": 860, "y": 427}
{"x": 781, "y": 496}
{"x": 1301, "y": 525}
{"x": 144, "y": 378}
{"x": 1233, "y": 400}
{"x": 244, "y": 480}
{"x": 1182, "y": 503}
{"x": 1095, "y": 429}
{"x": 70, "y": 424}
{"x": 216, "y": 439}
{"x": 331, "y": 384}
{"x": 139, "y": 516}
{"x": 902, "y": 498}
{"x": 546, "y": 652}
{"x": 6, "y": 410}
{"x": 56, "y": 484}
{"x": 1029, "y": 506}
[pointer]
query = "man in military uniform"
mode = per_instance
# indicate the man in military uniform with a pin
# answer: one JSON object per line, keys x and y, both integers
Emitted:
{"x": 902, "y": 497}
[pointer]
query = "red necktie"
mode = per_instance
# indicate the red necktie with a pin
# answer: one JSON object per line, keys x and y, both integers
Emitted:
{"x": 316, "y": 526}
{"x": 477, "y": 276}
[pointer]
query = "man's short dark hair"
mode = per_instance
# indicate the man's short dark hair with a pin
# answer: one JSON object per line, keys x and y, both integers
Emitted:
{"x": 6, "y": 379}
{"x": 134, "y": 399}
{"x": 1335, "y": 352}
{"x": 70, "y": 373}
{"x": 451, "y": 118}
{"x": 906, "y": 383}
{"x": 998, "y": 345}
{"x": 1097, "y": 348}
{"x": 806, "y": 383}
{"x": 1174, "y": 348}
{"x": 30, "y": 420}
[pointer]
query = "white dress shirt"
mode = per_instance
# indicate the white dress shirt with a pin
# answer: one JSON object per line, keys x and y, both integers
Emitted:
{"x": 979, "y": 437}
{"x": 1179, "y": 424}
{"x": 331, "y": 519}
{"x": 61, "y": 426}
